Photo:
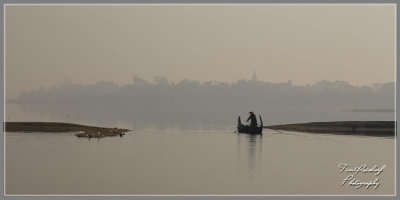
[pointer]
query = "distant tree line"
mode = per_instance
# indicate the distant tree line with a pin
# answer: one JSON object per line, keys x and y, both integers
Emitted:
{"x": 212, "y": 94}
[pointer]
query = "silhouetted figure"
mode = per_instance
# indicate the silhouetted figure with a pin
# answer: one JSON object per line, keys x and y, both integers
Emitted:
{"x": 253, "y": 119}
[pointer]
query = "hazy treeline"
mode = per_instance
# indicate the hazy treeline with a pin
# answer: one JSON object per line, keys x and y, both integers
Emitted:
{"x": 194, "y": 93}
{"x": 211, "y": 100}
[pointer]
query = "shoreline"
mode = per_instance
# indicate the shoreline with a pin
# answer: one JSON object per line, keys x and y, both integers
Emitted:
{"x": 366, "y": 128}
{"x": 88, "y": 131}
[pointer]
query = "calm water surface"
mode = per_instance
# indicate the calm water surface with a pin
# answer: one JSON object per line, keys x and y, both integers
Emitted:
{"x": 164, "y": 158}
{"x": 193, "y": 160}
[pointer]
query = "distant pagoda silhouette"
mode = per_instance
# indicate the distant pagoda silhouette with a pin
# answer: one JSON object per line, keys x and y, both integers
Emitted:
{"x": 254, "y": 78}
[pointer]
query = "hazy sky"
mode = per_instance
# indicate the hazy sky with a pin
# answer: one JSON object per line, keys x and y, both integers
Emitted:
{"x": 50, "y": 45}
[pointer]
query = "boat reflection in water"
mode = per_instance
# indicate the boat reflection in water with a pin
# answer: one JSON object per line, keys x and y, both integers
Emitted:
{"x": 251, "y": 150}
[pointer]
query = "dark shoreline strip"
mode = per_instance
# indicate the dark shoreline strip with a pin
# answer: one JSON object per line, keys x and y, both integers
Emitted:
{"x": 367, "y": 128}
{"x": 88, "y": 131}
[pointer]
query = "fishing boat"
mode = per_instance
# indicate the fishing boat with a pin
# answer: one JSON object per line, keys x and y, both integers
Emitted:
{"x": 241, "y": 128}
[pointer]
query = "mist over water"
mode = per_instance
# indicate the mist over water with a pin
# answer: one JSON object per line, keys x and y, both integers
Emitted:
{"x": 164, "y": 102}
{"x": 183, "y": 139}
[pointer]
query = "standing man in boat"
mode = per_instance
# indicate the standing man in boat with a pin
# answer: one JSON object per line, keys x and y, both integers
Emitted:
{"x": 253, "y": 119}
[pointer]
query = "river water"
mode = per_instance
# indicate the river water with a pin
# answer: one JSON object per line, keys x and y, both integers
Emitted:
{"x": 194, "y": 159}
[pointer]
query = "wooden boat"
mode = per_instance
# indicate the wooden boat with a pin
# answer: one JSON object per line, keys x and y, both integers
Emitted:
{"x": 248, "y": 129}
